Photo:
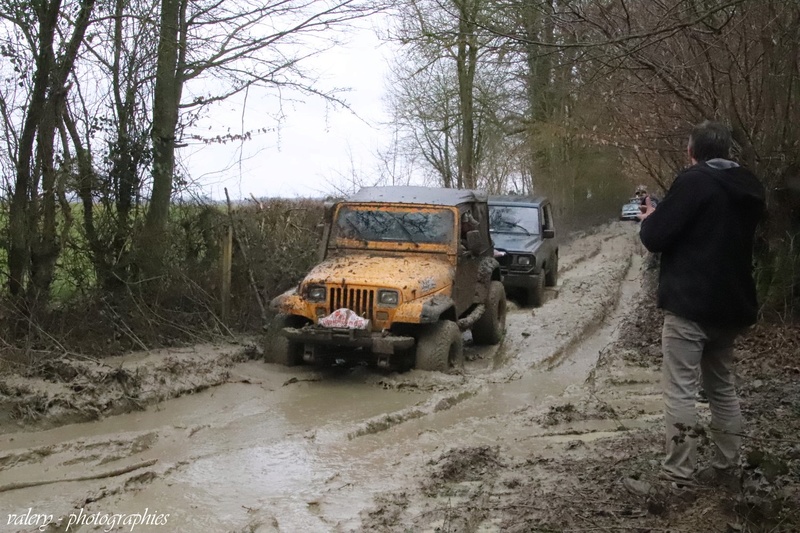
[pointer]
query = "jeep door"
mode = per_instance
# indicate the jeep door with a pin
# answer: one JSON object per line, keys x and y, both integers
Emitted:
{"x": 470, "y": 219}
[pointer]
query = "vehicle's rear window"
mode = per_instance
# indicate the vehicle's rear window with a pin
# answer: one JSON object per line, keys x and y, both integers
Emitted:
{"x": 362, "y": 223}
{"x": 514, "y": 219}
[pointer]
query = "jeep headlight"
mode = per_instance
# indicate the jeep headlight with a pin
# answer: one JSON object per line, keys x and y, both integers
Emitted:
{"x": 524, "y": 260}
{"x": 316, "y": 293}
{"x": 388, "y": 298}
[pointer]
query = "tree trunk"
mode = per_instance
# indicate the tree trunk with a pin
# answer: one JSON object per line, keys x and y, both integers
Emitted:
{"x": 32, "y": 250}
{"x": 21, "y": 233}
{"x": 44, "y": 249}
{"x": 166, "y": 99}
{"x": 85, "y": 189}
{"x": 127, "y": 153}
{"x": 466, "y": 60}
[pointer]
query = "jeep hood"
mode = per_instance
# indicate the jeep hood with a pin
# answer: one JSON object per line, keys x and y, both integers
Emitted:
{"x": 516, "y": 242}
{"x": 413, "y": 275}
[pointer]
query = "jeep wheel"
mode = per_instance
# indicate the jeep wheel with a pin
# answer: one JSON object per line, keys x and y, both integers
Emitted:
{"x": 277, "y": 348}
{"x": 440, "y": 347}
{"x": 536, "y": 293}
{"x": 551, "y": 279}
{"x": 491, "y": 325}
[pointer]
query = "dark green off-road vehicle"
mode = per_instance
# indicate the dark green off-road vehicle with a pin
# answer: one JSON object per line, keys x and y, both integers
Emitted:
{"x": 523, "y": 229}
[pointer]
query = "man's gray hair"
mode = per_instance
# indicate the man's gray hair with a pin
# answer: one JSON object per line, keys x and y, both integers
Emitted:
{"x": 710, "y": 140}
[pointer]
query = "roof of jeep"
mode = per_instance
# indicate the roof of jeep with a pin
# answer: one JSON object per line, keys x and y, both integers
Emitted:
{"x": 517, "y": 199}
{"x": 418, "y": 195}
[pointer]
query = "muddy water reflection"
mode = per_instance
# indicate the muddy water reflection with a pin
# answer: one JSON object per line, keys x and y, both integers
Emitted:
{"x": 220, "y": 453}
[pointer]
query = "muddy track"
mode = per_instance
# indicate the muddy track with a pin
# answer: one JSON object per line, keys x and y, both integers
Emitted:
{"x": 301, "y": 449}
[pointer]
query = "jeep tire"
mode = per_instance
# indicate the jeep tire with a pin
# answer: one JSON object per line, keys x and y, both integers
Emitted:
{"x": 491, "y": 325}
{"x": 536, "y": 293}
{"x": 551, "y": 279}
{"x": 277, "y": 348}
{"x": 440, "y": 347}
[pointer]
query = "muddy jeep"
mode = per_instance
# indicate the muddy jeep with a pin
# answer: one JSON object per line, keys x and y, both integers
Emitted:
{"x": 403, "y": 271}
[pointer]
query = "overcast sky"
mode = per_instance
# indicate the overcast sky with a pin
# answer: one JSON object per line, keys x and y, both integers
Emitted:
{"x": 314, "y": 144}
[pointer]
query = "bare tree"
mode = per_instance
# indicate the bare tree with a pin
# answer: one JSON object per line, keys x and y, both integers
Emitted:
{"x": 107, "y": 123}
{"x": 54, "y": 40}
{"x": 228, "y": 48}
{"x": 449, "y": 86}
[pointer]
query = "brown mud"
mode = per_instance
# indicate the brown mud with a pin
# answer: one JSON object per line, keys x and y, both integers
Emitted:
{"x": 72, "y": 388}
{"x": 533, "y": 435}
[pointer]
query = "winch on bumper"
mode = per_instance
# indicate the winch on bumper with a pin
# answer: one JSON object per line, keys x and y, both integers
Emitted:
{"x": 382, "y": 344}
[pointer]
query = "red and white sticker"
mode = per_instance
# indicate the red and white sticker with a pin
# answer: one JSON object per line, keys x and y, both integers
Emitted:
{"x": 344, "y": 318}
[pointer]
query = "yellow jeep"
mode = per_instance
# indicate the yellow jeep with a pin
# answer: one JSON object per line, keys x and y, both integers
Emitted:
{"x": 403, "y": 271}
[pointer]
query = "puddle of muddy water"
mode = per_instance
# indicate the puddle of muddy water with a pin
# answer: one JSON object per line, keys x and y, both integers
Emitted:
{"x": 242, "y": 445}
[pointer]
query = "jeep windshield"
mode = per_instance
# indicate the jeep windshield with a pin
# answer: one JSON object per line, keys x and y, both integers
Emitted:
{"x": 380, "y": 224}
{"x": 513, "y": 219}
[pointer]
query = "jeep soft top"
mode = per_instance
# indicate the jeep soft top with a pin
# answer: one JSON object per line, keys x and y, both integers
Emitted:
{"x": 417, "y": 195}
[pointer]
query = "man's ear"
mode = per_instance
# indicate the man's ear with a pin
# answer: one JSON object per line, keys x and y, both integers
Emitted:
{"x": 689, "y": 153}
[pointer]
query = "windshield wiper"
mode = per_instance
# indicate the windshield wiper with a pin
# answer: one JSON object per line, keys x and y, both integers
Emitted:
{"x": 407, "y": 232}
{"x": 528, "y": 233}
{"x": 355, "y": 228}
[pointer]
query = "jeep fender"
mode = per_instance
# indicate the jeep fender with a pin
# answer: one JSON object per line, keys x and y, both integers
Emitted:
{"x": 426, "y": 310}
{"x": 436, "y": 308}
{"x": 488, "y": 271}
{"x": 288, "y": 303}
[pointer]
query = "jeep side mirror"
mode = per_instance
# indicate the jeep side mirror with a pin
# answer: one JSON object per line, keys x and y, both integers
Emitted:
{"x": 549, "y": 234}
{"x": 474, "y": 244}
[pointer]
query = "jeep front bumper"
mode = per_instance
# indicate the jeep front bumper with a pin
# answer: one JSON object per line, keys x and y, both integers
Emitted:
{"x": 376, "y": 342}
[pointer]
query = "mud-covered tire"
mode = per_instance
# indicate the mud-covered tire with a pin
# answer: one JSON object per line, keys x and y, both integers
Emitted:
{"x": 491, "y": 326}
{"x": 551, "y": 279}
{"x": 440, "y": 347}
{"x": 536, "y": 293}
{"x": 277, "y": 348}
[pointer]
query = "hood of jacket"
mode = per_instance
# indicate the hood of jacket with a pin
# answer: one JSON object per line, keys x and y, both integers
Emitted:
{"x": 738, "y": 182}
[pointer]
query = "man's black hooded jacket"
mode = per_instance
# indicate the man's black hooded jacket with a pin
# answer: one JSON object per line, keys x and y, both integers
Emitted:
{"x": 704, "y": 229}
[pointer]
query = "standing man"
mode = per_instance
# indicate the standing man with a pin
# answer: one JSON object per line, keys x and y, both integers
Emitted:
{"x": 704, "y": 229}
{"x": 643, "y": 196}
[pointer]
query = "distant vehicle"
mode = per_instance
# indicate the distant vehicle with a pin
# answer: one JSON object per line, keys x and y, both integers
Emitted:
{"x": 403, "y": 271}
{"x": 630, "y": 210}
{"x": 523, "y": 230}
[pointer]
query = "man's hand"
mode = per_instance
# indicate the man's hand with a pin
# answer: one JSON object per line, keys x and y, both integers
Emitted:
{"x": 647, "y": 209}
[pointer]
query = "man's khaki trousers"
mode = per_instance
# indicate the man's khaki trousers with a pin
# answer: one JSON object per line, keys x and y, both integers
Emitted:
{"x": 693, "y": 352}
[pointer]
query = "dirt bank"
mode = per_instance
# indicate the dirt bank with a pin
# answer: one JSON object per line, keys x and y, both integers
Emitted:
{"x": 54, "y": 390}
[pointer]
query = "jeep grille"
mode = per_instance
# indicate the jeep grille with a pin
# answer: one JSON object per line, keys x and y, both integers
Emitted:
{"x": 359, "y": 300}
